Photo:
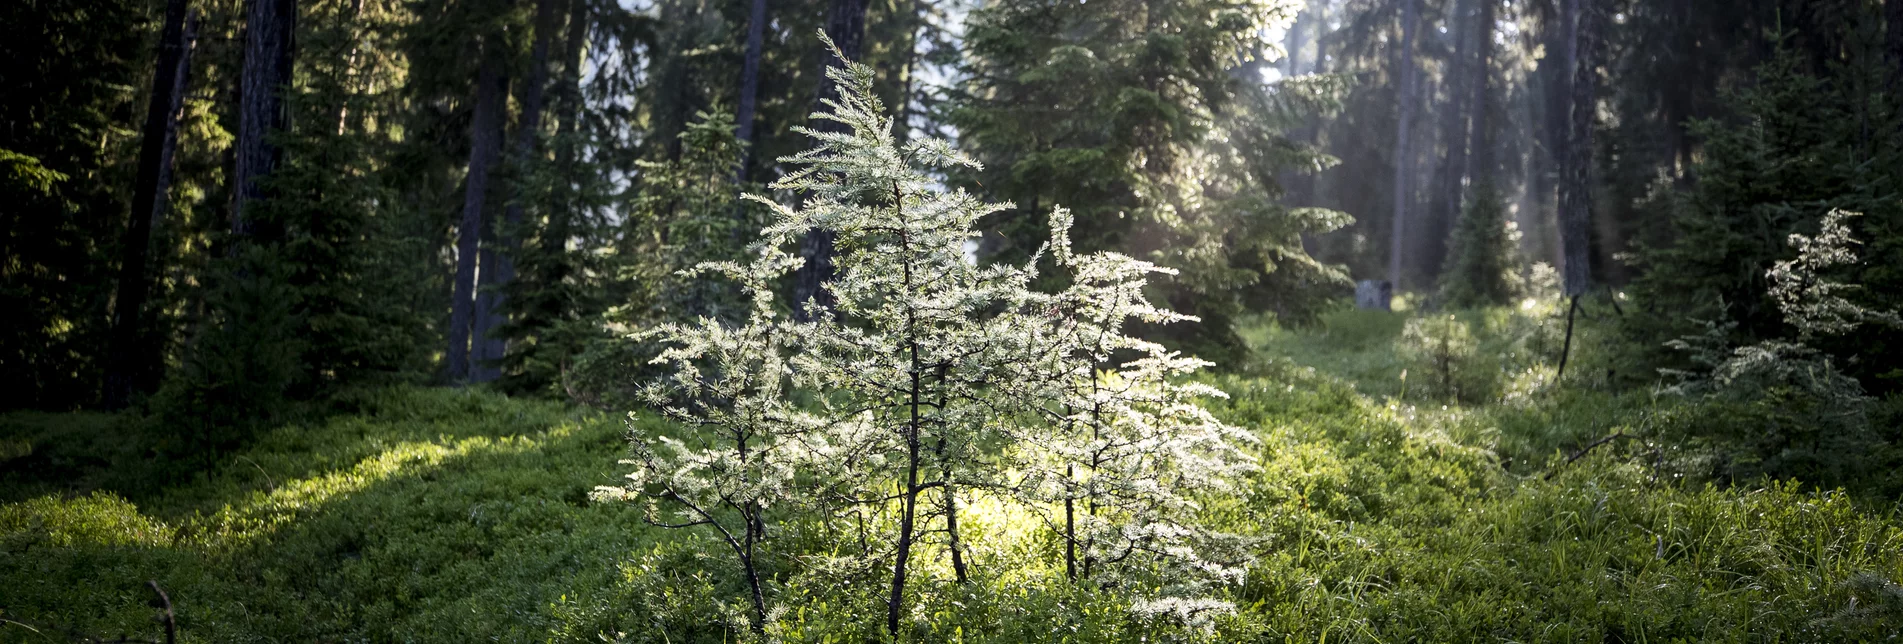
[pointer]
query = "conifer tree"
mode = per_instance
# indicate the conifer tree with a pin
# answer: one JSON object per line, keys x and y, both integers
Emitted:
{"x": 159, "y": 133}
{"x": 935, "y": 373}
{"x": 1482, "y": 265}
{"x": 1132, "y": 113}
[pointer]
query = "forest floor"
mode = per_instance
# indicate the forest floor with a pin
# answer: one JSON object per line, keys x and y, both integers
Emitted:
{"x": 1386, "y": 511}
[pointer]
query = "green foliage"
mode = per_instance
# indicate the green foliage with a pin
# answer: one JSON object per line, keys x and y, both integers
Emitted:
{"x": 1805, "y": 145}
{"x": 1785, "y": 409}
{"x": 687, "y": 213}
{"x": 69, "y": 73}
{"x": 439, "y": 515}
{"x": 1483, "y": 266}
{"x": 246, "y": 357}
{"x": 951, "y": 383}
{"x": 435, "y": 514}
{"x": 1442, "y": 350}
{"x": 1130, "y": 113}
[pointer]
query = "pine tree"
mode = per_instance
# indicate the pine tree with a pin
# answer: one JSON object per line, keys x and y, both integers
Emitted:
{"x": 936, "y": 371}
{"x": 159, "y": 133}
{"x": 466, "y": 349}
{"x": 1809, "y": 144}
{"x": 1398, "y": 239}
{"x": 64, "y": 66}
{"x": 1132, "y": 113}
{"x": 1482, "y": 262}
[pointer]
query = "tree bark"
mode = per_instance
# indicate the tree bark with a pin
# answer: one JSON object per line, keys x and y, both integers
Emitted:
{"x": 1410, "y": 17}
{"x": 1444, "y": 207}
{"x": 750, "y": 86}
{"x": 485, "y": 147}
{"x": 569, "y": 105}
{"x": 1575, "y": 215}
{"x": 1292, "y": 59}
{"x": 159, "y": 139}
{"x": 1480, "y": 147}
{"x": 846, "y": 25}
{"x": 1893, "y": 15}
{"x": 498, "y": 261}
{"x": 270, "y": 26}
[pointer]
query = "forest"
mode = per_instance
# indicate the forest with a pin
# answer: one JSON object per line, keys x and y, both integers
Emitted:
{"x": 1077, "y": 321}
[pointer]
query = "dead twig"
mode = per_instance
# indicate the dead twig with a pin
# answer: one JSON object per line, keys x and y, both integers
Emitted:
{"x": 1586, "y": 450}
{"x": 164, "y": 604}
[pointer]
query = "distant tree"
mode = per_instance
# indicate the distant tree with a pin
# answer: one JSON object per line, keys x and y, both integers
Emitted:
{"x": 270, "y": 28}
{"x": 485, "y": 149}
{"x": 128, "y": 360}
{"x": 1482, "y": 261}
{"x": 1575, "y": 214}
{"x": 1403, "y": 143}
{"x": 846, "y": 26}
{"x": 750, "y": 80}
{"x": 1135, "y": 113}
{"x": 1808, "y": 144}
{"x": 65, "y": 68}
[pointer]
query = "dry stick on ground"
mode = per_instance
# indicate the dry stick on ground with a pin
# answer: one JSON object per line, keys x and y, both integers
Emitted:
{"x": 164, "y": 604}
{"x": 1567, "y": 350}
{"x": 1584, "y": 451}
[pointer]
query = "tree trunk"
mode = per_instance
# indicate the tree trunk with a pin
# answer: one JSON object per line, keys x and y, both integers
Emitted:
{"x": 1292, "y": 58}
{"x": 569, "y": 105}
{"x": 485, "y": 146}
{"x": 1444, "y": 206}
{"x": 750, "y": 85}
{"x": 158, "y": 140}
{"x": 1893, "y": 15}
{"x": 498, "y": 260}
{"x": 846, "y": 25}
{"x": 270, "y": 26}
{"x": 1480, "y": 147}
{"x": 1410, "y": 17}
{"x": 1070, "y": 524}
{"x": 1575, "y": 215}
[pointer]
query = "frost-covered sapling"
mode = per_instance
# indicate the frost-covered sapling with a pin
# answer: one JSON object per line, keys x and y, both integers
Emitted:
{"x": 1129, "y": 452}
{"x": 929, "y": 379}
{"x": 730, "y": 465}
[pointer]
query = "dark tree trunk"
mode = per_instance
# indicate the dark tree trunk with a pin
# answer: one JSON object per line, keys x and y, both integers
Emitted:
{"x": 1893, "y": 15}
{"x": 846, "y": 25}
{"x": 1303, "y": 189}
{"x": 1480, "y": 147}
{"x": 1450, "y": 178}
{"x": 485, "y": 147}
{"x": 1575, "y": 207}
{"x": 159, "y": 138}
{"x": 554, "y": 302}
{"x": 498, "y": 260}
{"x": 1297, "y": 33}
{"x": 270, "y": 26}
{"x": 569, "y": 106}
{"x": 1403, "y": 156}
{"x": 908, "y": 72}
{"x": 750, "y": 85}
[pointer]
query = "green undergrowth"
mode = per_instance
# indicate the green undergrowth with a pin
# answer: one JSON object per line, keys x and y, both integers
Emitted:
{"x": 1386, "y": 512}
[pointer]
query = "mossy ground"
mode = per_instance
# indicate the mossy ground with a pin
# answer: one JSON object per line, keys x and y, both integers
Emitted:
{"x": 1387, "y": 511}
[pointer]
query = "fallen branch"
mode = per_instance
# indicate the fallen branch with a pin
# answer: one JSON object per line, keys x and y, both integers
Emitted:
{"x": 164, "y": 604}
{"x": 1586, "y": 450}
{"x": 1567, "y": 351}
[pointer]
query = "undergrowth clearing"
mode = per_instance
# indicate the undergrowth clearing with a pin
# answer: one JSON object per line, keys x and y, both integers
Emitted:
{"x": 1387, "y": 510}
